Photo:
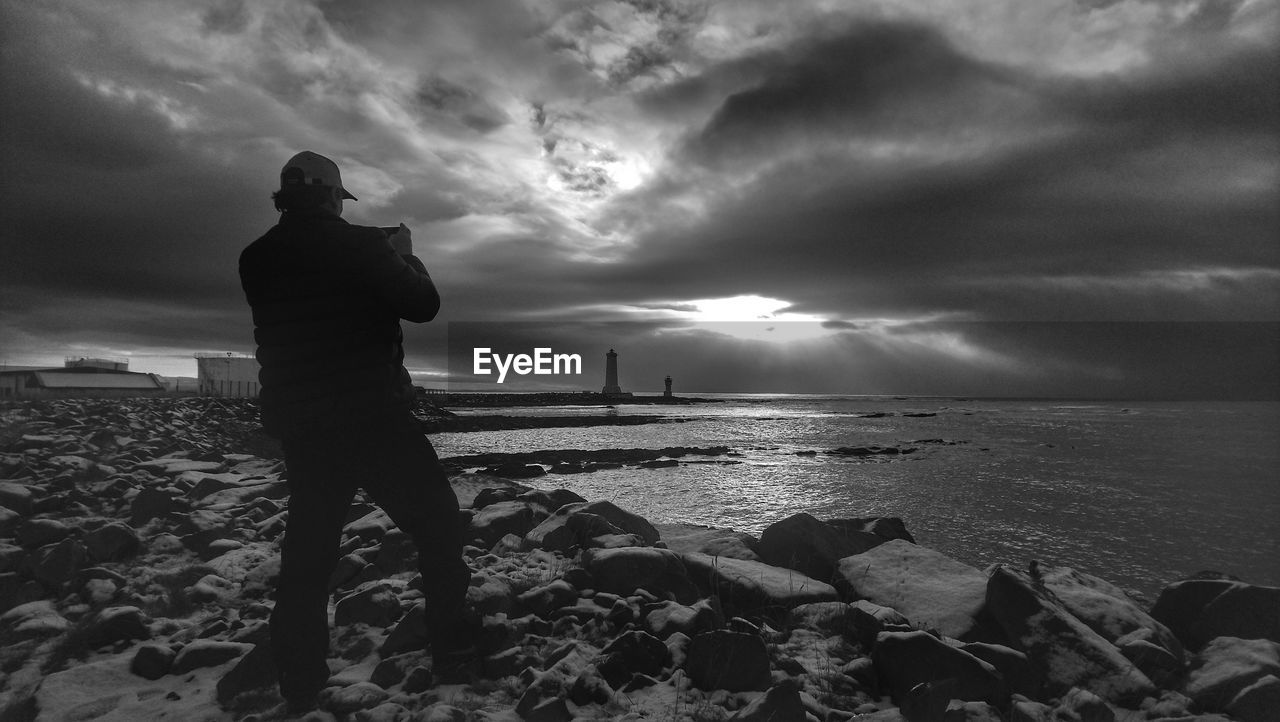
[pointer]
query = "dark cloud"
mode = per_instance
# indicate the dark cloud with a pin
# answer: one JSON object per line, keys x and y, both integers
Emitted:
{"x": 867, "y": 80}
{"x": 443, "y": 98}
{"x": 1103, "y": 198}
{"x": 890, "y": 176}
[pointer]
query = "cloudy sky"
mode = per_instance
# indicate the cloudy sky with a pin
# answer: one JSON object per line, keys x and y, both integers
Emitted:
{"x": 884, "y": 196}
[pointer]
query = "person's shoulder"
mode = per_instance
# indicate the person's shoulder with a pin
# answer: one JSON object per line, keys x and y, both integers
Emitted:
{"x": 353, "y": 237}
{"x": 273, "y": 233}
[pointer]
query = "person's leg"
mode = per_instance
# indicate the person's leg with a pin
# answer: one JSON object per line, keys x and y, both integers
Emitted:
{"x": 319, "y": 497}
{"x": 413, "y": 489}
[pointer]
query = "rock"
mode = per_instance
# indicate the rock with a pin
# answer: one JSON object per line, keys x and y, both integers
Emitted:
{"x": 623, "y": 571}
{"x": 568, "y": 529}
{"x": 1029, "y": 710}
{"x": 613, "y": 541}
{"x": 829, "y": 618}
{"x": 1158, "y": 663}
{"x": 389, "y": 672}
{"x": 1242, "y": 610}
{"x": 516, "y": 470}
{"x": 870, "y": 619}
{"x": 727, "y": 660}
{"x": 747, "y": 586}
{"x": 16, "y": 497}
{"x": 493, "y": 495}
{"x": 11, "y": 557}
{"x": 1105, "y": 607}
{"x": 904, "y": 660}
{"x": 573, "y": 524}
{"x": 177, "y": 466}
{"x": 497, "y": 519}
{"x": 370, "y": 527}
{"x": 1085, "y": 706}
{"x": 34, "y": 619}
{"x": 1180, "y": 605}
{"x": 212, "y": 588}
{"x": 1065, "y": 651}
{"x": 207, "y": 653}
{"x": 672, "y": 617}
{"x": 887, "y": 528}
{"x": 385, "y": 712}
{"x": 1227, "y": 666}
{"x": 630, "y": 653}
{"x": 397, "y": 553}
{"x": 1019, "y": 676}
{"x": 444, "y": 713}
{"x": 34, "y": 533}
{"x": 9, "y": 521}
{"x": 781, "y": 702}
{"x": 927, "y": 586}
{"x": 410, "y": 633}
{"x": 958, "y": 711}
{"x": 1258, "y": 702}
{"x": 685, "y": 538}
{"x": 549, "y": 710}
{"x": 928, "y": 700}
{"x": 552, "y": 500}
{"x": 116, "y": 624}
{"x": 807, "y": 545}
{"x": 14, "y": 591}
{"x": 548, "y": 597}
{"x": 355, "y": 697}
{"x": 373, "y": 603}
{"x": 490, "y": 593}
{"x": 152, "y": 503}
{"x": 112, "y": 542}
{"x": 152, "y": 661}
{"x": 58, "y": 563}
{"x": 218, "y": 547}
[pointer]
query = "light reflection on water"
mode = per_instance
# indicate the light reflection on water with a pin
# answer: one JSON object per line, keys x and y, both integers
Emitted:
{"x": 1141, "y": 494}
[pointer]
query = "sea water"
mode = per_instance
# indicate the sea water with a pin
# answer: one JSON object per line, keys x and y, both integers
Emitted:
{"x": 1139, "y": 493}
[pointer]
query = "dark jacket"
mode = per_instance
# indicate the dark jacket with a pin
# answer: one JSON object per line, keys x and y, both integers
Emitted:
{"x": 327, "y": 301}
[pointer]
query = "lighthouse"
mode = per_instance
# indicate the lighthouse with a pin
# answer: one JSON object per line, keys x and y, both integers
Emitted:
{"x": 667, "y": 393}
{"x": 611, "y": 375}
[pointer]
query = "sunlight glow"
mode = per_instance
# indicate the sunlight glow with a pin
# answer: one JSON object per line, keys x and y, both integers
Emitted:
{"x": 753, "y": 317}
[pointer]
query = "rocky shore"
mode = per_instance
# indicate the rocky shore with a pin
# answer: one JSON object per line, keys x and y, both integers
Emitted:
{"x": 139, "y": 541}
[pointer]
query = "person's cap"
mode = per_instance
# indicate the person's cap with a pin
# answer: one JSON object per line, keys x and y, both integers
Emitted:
{"x": 313, "y": 169}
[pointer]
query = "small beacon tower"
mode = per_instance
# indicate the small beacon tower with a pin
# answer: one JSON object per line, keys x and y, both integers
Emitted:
{"x": 667, "y": 393}
{"x": 611, "y": 375}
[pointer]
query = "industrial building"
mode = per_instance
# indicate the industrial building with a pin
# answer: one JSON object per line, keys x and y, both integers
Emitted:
{"x": 227, "y": 374}
{"x": 78, "y": 378}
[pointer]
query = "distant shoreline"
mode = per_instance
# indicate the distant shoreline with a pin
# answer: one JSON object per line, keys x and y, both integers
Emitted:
{"x": 479, "y": 399}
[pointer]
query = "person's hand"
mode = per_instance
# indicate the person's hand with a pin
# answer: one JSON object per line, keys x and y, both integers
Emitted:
{"x": 402, "y": 241}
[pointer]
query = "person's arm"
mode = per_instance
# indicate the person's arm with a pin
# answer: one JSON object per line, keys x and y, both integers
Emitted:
{"x": 400, "y": 278}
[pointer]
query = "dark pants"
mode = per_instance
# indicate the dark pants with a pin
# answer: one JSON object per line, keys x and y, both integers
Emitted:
{"x": 397, "y": 466}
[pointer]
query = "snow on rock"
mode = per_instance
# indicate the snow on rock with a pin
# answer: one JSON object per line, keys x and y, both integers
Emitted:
{"x": 496, "y": 520}
{"x": 1106, "y": 608}
{"x": 927, "y": 586}
{"x": 1064, "y": 650}
{"x": 810, "y": 546}
{"x": 750, "y": 586}
{"x": 685, "y": 538}
{"x": 907, "y": 659}
{"x": 34, "y": 619}
{"x": 1227, "y": 666}
{"x": 153, "y": 526}
{"x": 623, "y": 571}
{"x": 107, "y": 691}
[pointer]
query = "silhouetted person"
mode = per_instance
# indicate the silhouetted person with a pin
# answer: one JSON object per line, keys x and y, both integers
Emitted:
{"x": 327, "y": 301}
